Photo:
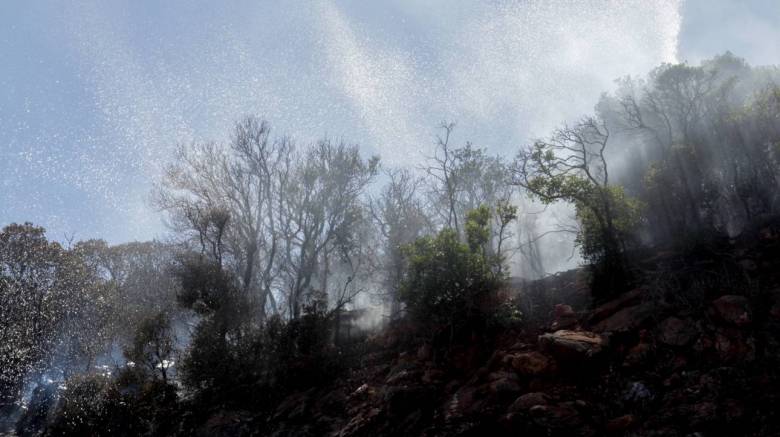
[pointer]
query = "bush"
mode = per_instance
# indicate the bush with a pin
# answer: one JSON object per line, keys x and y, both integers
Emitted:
{"x": 126, "y": 405}
{"x": 262, "y": 365}
{"x": 447, "y": 283}
{"x": 152, "y": 347}
{"x": 92, "y": 405}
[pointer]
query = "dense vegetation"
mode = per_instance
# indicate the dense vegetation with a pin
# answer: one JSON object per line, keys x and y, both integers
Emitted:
{"x": 283, "y": 258}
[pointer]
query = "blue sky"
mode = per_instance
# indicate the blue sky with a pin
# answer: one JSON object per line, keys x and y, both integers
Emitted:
{"x": 95, "y": 94}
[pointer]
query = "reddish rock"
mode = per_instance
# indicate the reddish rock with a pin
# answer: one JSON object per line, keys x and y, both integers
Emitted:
{"x": 733, "y": 410}
{"x": 703, "y": 344}
{"x": 774, "y": 312}
{"x": 572, "y": 345}
{"x": 676, "y": 332}
{"x": 360, "y": 422}
{"x": 501, "y": 374}
{"x": 703, "y": 413}
{"x": 528, "y": 401}
{"x": 462, "y": 403}
{"x": 504, "y": 383}
{"x": 432, "y": 376}
{"x": 621, "y": 424}
{"x": 532, "y": 363}
{"x": 733, "y": 347}
{"x": 732, "y": 309}
{"x": 564, "y": 317}
{"x": 556, "y": 416}
{"x": 628, "y": 299}
{"x": 402, "y": 376}
{"x": 225, "y": 423}
{"x": 627, "y": 319}
{"x": 424, "y": 352}
{"x": 641, "y": 351}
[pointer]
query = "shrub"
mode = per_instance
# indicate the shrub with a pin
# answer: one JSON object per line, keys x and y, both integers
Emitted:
{"x": 128, "y": 404}
{"x": 447, "y": 282}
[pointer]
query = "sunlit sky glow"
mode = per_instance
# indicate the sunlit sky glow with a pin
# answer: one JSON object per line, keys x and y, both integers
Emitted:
{"x": 94, "y": 95}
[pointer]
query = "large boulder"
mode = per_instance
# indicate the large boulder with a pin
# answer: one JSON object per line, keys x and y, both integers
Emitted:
{"x": 529, "y": 400}
{"x": 733, "y": 346}
{"x": 532, "y": 363}
{"x": 619, "y": 425}
{"x": 630, "y": 298}
{"x": 627, "y": 319}
{"x": 564, "y": 317}
{"x": 557, "y": 417}
{"x": 572, "y": 345}
{"x": 504, "y": 384}
{"x": 639, "y": 353}
{"x": 677, "y": 332}
{"x": 732, "y": 309}
{"x": 226, "y": 423}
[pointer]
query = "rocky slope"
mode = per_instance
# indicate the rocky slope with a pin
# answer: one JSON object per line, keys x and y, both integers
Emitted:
{"x": 694, "y": 350}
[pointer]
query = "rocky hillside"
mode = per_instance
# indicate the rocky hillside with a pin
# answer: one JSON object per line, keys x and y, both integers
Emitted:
{"x": 693, "y": 350}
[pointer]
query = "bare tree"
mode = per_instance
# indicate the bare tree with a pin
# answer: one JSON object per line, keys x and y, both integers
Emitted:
{"x": 441, "y": 169}
{"x": 321, "y": 205}
{"x": 227, "y": 200}
{"x": 400, "y": 216}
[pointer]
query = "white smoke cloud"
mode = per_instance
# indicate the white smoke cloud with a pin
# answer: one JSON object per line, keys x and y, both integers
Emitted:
{"x": 383, "y": 75}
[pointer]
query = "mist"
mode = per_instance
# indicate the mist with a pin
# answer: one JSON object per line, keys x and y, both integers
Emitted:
{"x": 430, "y": 217}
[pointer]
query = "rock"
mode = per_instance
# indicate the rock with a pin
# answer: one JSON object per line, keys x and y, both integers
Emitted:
{"x": 774, "y": 312}
{"x": 501, "y": 374}
{"x": 293, "y": 407}
{"x": 733, "y": 347}
{"x": 676, "y": 332}
{"x": 703, "y": 413}
{"x": 402, "y": 376}
{"x": 556, "y": 416}
{"x": 620, "y": 424}
{"x": 602, "y": 312}
{"x": 358, "y": 423}
{"x": 462, "y": 403}
{"x": 519, "y": 346}
{"x": 627, "y": 319}
{"x": 364, "y": 391}
{"x": 403, "y": 399}
{"x": 703, "y": 344}
{"x": 748, "y": 264}
{"x": 424, "y": 352}
{"x": 572, "y": 345}
{"x": 505, "y": 386}
{"x": 732, "y": 309}
{"x": 564, "y": 317}
{"x": 529, "y": 400}
{"x": 225, "y": 423}
{"x": 496, "y": 359}
{"x": 532, "y": 363}
{"x": 638, "y": 393}
{"x": 640, "y": 352}
{"x": 733, "y": 410}
{"x": 432, "y": 376}
{"x": 403, "y": 371}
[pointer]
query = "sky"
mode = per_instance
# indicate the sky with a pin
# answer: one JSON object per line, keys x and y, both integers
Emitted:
{"x": 94, "y": 95}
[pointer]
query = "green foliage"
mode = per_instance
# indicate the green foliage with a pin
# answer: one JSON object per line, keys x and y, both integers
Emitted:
{"x": 50, "y": 302}
{"x": 263, "y": 365}
{"x": 127, "y": 405}
{"x": 478, "y": 228}
{"x": 88, "y": 407}
{"x": 205, "y": 286}
{"x": 447, "y": 282}
{"x": 153, "y": 346}
{"x": 608, "y": 217}
{"x": 626, "y": 215}
{"x": 506, "y": 212}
